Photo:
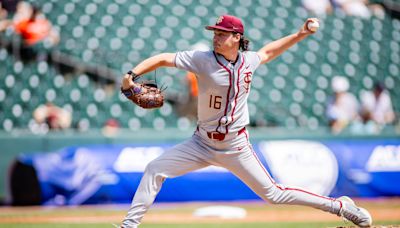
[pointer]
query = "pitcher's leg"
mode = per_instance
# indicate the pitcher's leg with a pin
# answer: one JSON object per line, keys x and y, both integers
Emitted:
{"x": 250, "y": 170}
{"x": 181, "y": 159}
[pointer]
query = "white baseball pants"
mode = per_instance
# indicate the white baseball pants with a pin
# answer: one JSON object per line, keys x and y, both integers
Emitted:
{"x": 237, "y": 156}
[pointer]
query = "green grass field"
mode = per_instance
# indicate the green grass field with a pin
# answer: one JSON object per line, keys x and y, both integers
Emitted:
{"x": 236, "y": 225}
{"x": 386, "y": 213}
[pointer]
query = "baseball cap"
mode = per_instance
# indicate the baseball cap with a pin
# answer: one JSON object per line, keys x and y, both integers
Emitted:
{"x": 228, "y": 23}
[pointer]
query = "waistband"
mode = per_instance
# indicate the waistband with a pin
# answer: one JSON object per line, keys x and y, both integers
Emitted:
{"x": 214, "y": 135}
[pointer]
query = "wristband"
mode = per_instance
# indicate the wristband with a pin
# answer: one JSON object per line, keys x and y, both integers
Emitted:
{"x": 134, "y": 76}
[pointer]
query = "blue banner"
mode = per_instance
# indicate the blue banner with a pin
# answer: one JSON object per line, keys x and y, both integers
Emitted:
{"x": 111, "y": 173}
{"x": 361, "y": 168}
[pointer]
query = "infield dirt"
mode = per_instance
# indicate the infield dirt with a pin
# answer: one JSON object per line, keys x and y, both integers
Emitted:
{"x": 162, "y": 213}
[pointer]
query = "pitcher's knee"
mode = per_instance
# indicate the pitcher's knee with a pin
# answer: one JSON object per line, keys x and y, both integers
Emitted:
{"x": 274, "y": 200}
{"x": 273, "y": 195}
{"x": 154, "y": 169}
{"x": 271, "y": 199}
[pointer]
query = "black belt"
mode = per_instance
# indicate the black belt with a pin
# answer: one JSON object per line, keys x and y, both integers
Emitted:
{"x": 221, "y": 136}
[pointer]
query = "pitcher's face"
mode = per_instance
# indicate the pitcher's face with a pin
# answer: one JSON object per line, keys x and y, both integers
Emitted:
{"x": 223, "y": 40}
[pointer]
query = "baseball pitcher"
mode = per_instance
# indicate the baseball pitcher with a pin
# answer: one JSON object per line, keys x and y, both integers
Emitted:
{"x": 224, "y": 81}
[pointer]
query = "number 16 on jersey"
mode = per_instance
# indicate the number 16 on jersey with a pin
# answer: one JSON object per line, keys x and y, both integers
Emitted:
{"x": 215, "y": 102}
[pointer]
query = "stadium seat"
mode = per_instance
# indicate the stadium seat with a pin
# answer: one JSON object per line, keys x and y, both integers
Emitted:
{"x": 290, "y": 91}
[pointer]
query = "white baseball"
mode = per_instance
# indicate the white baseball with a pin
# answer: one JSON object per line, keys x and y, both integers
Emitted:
{"x": 313, "y": 26}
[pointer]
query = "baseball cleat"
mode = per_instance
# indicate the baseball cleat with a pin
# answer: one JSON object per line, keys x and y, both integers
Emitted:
{"x": 350, "y": 212}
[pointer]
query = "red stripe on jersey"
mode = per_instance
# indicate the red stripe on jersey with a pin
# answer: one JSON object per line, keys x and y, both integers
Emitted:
{"x": 227, "y": 95}
{"x": 238, "y": 88}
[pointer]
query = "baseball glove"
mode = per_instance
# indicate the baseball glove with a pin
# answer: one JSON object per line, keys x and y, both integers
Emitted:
{"x": 145, "y": 94}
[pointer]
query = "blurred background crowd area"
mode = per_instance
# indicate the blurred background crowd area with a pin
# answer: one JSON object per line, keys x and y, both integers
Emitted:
{"x": 61, "y": 63}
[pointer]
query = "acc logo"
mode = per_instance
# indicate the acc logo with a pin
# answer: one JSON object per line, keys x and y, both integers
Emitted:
{"x": 247, "y": 81}
{"x": 219, "y": 20}
{"x": 306, "y": 164}
{"x": 384, "y": 159}
{"x": 135, "y": 159}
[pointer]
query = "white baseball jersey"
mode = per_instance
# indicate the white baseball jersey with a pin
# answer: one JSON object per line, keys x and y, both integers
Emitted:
{"x": 223, "y": 87}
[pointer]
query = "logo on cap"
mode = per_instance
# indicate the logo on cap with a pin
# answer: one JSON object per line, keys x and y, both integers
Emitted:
{"x": 219, "y": 20}
{"x": 227, "y": 23}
